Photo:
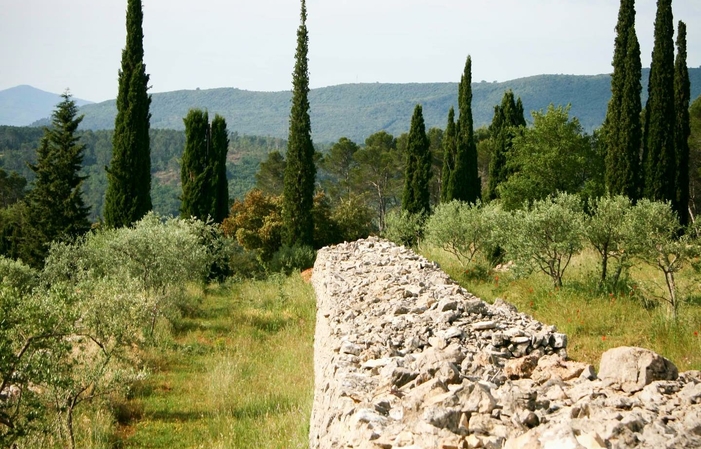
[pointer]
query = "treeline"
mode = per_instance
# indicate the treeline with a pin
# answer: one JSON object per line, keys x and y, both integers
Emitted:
{"x": 18, "y": 147}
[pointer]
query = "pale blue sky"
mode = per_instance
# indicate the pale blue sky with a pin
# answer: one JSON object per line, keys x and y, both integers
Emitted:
{"x": 249, "y": 44}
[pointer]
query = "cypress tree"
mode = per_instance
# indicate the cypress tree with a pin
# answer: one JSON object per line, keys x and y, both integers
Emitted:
{"x": 622, "y": 126}
{"x": 220, "y": 184}
{"x": 464, "y": 179}
{"x": 682, "y": 96}
{"x": 128, "y": 195}
{"x": 195, "y": 172}
{"x": 506, "y": 116}
{"x": 658, "y": 144}
{"x": 449, "y": 150}
{"x": 56, "y": 207}
{"x": 300, "y": 172}
{"x": 416, "y": 195}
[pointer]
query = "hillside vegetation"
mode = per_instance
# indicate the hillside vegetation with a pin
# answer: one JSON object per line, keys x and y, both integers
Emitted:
{"x": 358, "y": 110}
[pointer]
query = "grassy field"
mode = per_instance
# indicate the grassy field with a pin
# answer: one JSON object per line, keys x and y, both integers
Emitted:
{"x": 238, "y": 373}
{"x": 593, "y": 321}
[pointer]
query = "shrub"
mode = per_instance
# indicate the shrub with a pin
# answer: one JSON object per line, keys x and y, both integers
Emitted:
{"x": 404, "y": 228}
{"x": 353, "y": 218}
{"x": 256, "y": 223}
{"x": 17, "y": 275}
{"x": 289, "y": 259}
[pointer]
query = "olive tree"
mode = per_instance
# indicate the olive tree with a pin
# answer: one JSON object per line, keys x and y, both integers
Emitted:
{"x": 463, "y": 229}
{"x": 656, "y": 229}
{"x": 606, "y": 231}
{"x": 546, "y": 235}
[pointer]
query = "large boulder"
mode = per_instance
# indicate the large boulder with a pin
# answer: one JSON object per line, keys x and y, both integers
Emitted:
{"x": 630, "y": 368}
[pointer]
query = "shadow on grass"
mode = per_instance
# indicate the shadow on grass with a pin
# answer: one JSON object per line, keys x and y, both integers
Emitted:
{"x": 186, "y": 326}
{"x": 175, "y": 416}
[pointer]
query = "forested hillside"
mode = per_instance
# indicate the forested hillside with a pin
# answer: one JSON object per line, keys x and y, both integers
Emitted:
{"x": 18, "y": 146}
{"x": 358, "y": 110}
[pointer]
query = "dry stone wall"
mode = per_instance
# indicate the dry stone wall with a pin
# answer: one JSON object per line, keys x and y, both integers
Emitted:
{"x": 406, "y": 358}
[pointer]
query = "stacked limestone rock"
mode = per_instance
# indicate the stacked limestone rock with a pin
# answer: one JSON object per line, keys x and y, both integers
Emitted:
{"x": 404, "y": 357}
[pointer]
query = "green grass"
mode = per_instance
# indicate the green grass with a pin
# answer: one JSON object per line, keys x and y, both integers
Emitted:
{"x": 593, "y": 321}
{"x": 237, "y": 374}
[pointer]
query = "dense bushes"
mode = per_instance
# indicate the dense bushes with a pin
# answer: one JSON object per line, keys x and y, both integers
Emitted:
{"x": 68, "y": 333}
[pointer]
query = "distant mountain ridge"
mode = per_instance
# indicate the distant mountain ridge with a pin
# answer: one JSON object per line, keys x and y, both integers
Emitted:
{"x": 358, "y": 110}
{"x": 22, "y": 105}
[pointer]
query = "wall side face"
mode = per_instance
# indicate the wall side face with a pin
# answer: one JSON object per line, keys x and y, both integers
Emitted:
{"x": 405, "y": 357}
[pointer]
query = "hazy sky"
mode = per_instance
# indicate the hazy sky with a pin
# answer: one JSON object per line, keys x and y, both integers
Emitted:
{"x": 76, "y": 44}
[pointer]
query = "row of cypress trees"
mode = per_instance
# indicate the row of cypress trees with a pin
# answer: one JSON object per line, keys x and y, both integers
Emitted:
{"x": 203, "y": 167}
{"x": 649, "y": 157}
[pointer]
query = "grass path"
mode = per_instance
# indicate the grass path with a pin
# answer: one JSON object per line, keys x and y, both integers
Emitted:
{"x": 238, "y": 373}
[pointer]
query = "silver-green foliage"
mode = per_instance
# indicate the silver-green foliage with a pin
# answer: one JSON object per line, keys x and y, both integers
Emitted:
{"x": 463, "y": 229}
{"x": 654, "y": 229}
{"x": 607, "y": 232}
{"x": 162, "y": 256}
{"x": 546, "y": 235}
{"x": 17, "y": 275}
{"x": 66, "y": 336}
{"x": 403, "y": 227}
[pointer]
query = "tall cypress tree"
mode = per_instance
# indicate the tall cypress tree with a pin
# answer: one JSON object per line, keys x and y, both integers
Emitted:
{"x": 220, "y": 184}
{"x": 682, "y": 96}
{"x": 449, "y": 150}
{"x": 464, "y": 180}
{"x": 128, "y": 196}
{"x": 195, "y": 172}
{"x": 507, "y": 116}
{"x": 56, "y": 207}
{"x": 623, "y": 132}
{"x": 416, "y": 195}
{"x": 659, "y": 163}
{"x": 300, "y": 172}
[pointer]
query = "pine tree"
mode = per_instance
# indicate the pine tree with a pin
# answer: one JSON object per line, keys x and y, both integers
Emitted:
{"x": 623, "y": 132}
{"x": 464, "y": 180}
{"x": 300, "y": 172}
{"x": 507, "y": 116}
{"x": 128, "y": 196}
{"x": 449, "y": 150}
{"x": 682, "y": 96}
{"x": 416, "y": 195}
{"x": 658, "y": 151}
{"x": 56, "y": 208}
{"x": 195, "y": 172}
{"x": 220, "y": 184}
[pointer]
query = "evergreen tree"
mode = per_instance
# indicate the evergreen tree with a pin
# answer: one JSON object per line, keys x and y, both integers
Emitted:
{"x": 416, "y": 196}
{"x": 450, "y": 144}
{"x": 56, "y": 207}
{"x": 682, "y": 96}
{"x": 658, "y": 144}
{"x": 270, "y": 178}
{"x": 195, "y": 172}
{"x": 623, "y": 132}
{"x": 128, "y": 196}
{"x": 220, "y": 183}
{"x": 507, "y": 116}
{"x": 464, "y": 179}
{"x": 300, "y": 172}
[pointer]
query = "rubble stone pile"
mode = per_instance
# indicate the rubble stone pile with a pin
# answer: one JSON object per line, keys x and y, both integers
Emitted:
{"x": 406, "y": 358}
